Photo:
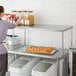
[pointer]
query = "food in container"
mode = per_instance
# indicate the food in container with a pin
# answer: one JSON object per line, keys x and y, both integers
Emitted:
{"x": 6, "y": 16}
{"x": 12, "y": 18}
{"x": 29, "y": 19}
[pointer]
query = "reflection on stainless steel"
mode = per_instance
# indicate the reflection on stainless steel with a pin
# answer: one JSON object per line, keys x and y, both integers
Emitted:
{"x": 14, "y": 47}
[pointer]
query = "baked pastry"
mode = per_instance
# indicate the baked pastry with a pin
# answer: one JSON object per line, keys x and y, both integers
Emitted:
{"x": 39, "y": 49}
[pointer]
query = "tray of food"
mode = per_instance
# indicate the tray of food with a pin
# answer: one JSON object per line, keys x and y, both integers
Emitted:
{"x": 41, "y": 50}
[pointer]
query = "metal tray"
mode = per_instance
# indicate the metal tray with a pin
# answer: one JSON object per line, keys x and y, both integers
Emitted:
{"x": 53, "y": 52}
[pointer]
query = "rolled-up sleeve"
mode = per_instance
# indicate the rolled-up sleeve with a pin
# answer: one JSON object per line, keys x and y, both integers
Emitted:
{"x": 10, "y": 25}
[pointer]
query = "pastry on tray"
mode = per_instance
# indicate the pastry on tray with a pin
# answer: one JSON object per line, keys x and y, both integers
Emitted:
{"x": 39, "y": 49}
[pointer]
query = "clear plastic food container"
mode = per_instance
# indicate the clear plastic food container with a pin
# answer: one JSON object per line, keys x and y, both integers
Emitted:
{"x": 45, "y": 68}
{"x": 23, "y": 66}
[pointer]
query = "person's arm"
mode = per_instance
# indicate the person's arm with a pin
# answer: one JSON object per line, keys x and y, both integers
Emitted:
{"x": 17, "y": 22}
{"x": 19, "y": 19}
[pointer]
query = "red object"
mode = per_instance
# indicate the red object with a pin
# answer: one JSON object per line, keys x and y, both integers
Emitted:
{"x": 25, "y": 11}
{"x": 6, "y": 14}
{"x": 19, "y": 11}
{"x": 30, "y": 11}
{"x": 12, "y": 17}
{"x": 14, "y": 11}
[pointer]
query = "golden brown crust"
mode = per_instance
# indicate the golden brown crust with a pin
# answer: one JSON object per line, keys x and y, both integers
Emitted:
{"x": 39, "y": 49}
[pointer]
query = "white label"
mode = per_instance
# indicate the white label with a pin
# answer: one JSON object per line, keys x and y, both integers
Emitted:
{"x": 14, "y": 21}
{"x": 10, "y": 21}
{"x": 26, "y": 21}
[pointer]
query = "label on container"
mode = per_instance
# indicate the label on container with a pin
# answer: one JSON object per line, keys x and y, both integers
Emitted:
{"x": 14, "y": 21}
{"x": 27, "y": 22}
{"x": 11, "y": 21}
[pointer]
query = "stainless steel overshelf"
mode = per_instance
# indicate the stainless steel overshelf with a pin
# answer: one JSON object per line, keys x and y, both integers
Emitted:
{"x": 21, "y": 51}
{"x": 60, "y": 28}
{"x": 48, "y": 27}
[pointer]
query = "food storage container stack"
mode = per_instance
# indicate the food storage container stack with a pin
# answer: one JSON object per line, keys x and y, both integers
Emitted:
{"x": 31, "y": 15}
{"x": 24, "y": 13}
{"x": 29, "y": 19}
{"x": 14, "y": 15}
{"x": 45, "y": 68}
{"x": 12, "y": 40}
{"x": 18, "y": 15}
{"x": 12, "y": 18}
{"x": 11, "y": 58}
{"x": 6, "y": 16}
{"x": 23, "y": 66}
{"x": 26, "y": 18}
{"x": 9, "y": 39}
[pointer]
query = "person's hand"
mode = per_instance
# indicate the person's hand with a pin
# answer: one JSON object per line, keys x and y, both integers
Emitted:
{"x": 19, "y": 19}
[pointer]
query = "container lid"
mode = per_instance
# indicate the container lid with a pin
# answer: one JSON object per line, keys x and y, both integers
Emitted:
{"x": 30, "y": 11}
{"x": 12, "y": 17}
{"x": 19, "y": 11}
{"x": 6, "y": 14}
{"x": 42, "y": 66}
{"x": 19, "y": 63}
{"x": 24, "y": 11}
{"x": 14, "y": 11}
{"x": 12, "y": 36}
